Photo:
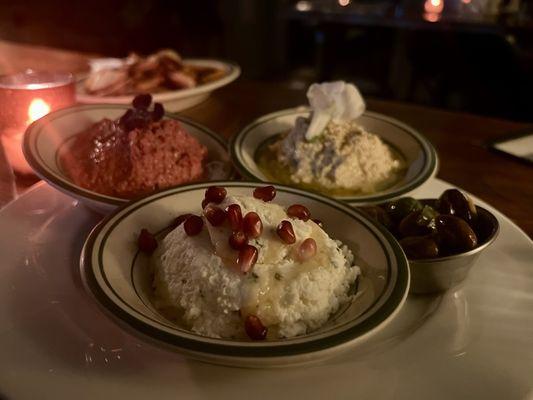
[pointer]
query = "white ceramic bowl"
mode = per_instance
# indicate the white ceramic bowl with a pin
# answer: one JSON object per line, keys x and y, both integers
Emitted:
{"x": 44, "y": 138}
{"x": 417, "y": 151}
{"x": 117, "y": 275}
{"x": 173, "y": 100}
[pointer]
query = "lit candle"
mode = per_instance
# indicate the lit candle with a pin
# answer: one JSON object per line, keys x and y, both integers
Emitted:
{"x": 433, "y": 10}
{"x": 38, "y": 108}
{"x": 24, "y": 98}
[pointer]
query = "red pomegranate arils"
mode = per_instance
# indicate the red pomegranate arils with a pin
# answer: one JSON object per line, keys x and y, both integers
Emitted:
{"x": 146, "y": 242}
{"x": 252, "y": 225}
{"x": 265, "y": 193}
{"x": 298, "y": 211}
{"x": 193, "y": 225}
{"x": 215, "y": 215}
{"x": 178, "y": 221}
{"x": 237, "y": 240}
{"x": 234, "y": 214}
{"x": 286, "y": 232}
{"x": 215, "y": 194}
{"x": 307, "y": 249}
{"x": 142, "y": 101}
{"x": 247, "y": 258}
{"x": 254, "y": 328}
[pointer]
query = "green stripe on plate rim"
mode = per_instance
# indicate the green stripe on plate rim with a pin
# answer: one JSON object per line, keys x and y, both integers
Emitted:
{"x": 397, "y": 292}
{"x": 363, "y": 315}
{"x": 158, "y": 321}
{"x": 36, "y": 161}
{"x": 429, "y": 153}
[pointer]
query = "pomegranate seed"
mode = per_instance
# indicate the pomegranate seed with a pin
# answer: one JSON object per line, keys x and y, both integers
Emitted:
{"x": 237, "y": 240}
{"x": 158, "y": 112}
{"x": 215, "y": 194}
{"x": 215, "y": 215}
{"x": 146, "y": 242}
{"x": 142, "y": 101}
{"x": 254, "y": 328}
{"x": 247, "y": 257}
{"x": 205, "y": 202}
{"x": 193, "y": 225}
{"x": 285, "y": 232}
{"x": 307, "y": 249}
{"x": 252, "y": 225}
{"x": 234, "y": 216}
{"x": 178, "y": 221}
{"x": 298, "y": 211}
{"x": 265, "y": 193}
{"x": 318, "y": 222}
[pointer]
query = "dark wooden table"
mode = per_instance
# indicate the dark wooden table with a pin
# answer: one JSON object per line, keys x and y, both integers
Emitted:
{"x": 459, "y": 138}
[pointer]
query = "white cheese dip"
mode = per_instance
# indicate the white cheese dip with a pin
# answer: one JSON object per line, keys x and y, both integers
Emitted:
{"x": 345, "y": 156}
{"x": 197, "y": 276}
{"x": 331, "y": 150}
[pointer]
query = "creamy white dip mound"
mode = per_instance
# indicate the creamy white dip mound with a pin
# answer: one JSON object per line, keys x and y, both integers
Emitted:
{"x": 344, "y": 156}
{"x": 330, "y": 149}
{"x": 197, "y": 277}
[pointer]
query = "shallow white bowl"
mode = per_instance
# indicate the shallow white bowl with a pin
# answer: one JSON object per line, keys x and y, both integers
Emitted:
{"x": 173, "y": 100}
{"x": 419, "y": 154}
{"x": 117, "y": 275}
{"x": 43, "y": 139}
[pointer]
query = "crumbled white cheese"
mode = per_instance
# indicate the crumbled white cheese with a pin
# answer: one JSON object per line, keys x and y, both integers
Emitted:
{"x": 196, "y": 275}
{"x": 345, "y": 156}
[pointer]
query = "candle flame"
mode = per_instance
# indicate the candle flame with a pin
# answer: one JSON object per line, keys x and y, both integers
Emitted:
{"x": 433, "y": 10}
{"x": 38, "y": 108}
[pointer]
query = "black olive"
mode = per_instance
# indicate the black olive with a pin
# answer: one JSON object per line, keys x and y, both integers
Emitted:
{"x": 454, "y": 235}
{"x": 420, "y": 247}
{"x": 399, "y": 209}
{"x": 378, "y": 214}
{"x": 483, "y": 227}
{"x": 418, "y": 223}
{"x": 454, "y": 202}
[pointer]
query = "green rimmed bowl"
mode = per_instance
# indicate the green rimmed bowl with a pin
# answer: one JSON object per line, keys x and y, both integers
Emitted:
{"x": 116, "y": 275}
{"x": 418, "y": 153}
{"x": 45, "y": 138}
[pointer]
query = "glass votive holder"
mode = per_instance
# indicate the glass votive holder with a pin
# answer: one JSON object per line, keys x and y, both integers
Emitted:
{"x": 26, "y": 97}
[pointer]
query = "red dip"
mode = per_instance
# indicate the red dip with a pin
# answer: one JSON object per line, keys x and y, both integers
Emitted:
{"x": 135, "y": 155}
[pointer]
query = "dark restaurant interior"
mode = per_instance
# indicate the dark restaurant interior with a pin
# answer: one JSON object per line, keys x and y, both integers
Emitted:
{"x": 182, "y": 181}
{"x": 473, "y": 56}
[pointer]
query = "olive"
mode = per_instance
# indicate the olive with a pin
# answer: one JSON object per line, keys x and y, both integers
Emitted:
{"x": 420, "y": 247}
{"x": 418, "y": 223}
{"x": 454, "y": 235}
{"x": 399, "y": 209}
{"x": 378, "y": 214}
{"x": 454, "y": 202}
{"x": 483, "y": 227}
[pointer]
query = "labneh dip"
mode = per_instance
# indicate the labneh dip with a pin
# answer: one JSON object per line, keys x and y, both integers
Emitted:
{"x": 329, "y": 151}
{"x": 345, "y": 156}
{"x": 135, "y": 155}
{"x": 286, "y": 279}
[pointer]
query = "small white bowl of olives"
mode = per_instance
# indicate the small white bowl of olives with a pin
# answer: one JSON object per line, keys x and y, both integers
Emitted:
{"x": 442, "y": 237}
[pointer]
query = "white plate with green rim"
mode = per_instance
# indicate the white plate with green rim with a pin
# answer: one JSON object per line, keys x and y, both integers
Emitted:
{"x": 116, "y": 274}
{"x": 173, "y": 100}
{"x": 45, "y": 138}
{"x": 419, "y": 155}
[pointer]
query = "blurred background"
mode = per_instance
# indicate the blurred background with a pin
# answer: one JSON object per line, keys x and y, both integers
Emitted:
{"x": 470, "y": 55}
